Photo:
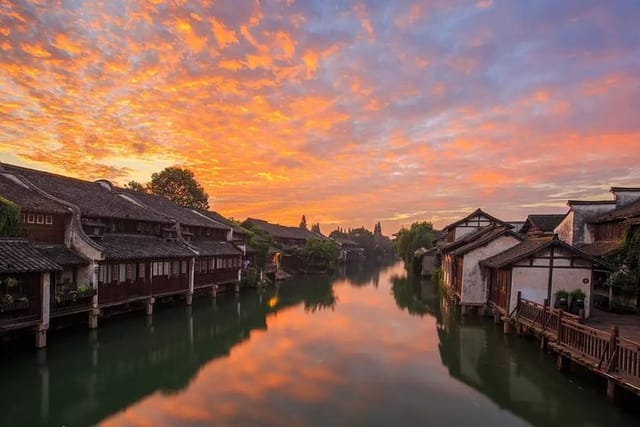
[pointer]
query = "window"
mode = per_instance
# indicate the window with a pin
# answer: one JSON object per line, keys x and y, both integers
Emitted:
{"x": 130, "y": 274}
{"x": 40, "y": 219}
{"x": 183, "y": 267}
{"x": 122, "y": 273}
{"x": 167, "y": 267}
{"x": 175, "y": 268}
{"x": 139, "y": 227}
{"x": 48, "y": 220}
{"x": 197, "y": 266}
{"x": 212, "y": 265}
{"x": 24, "y": 217}
{"x": 208, "y": 232}
{"x": 141, "y": 270}
{"x": 31, "y": 219}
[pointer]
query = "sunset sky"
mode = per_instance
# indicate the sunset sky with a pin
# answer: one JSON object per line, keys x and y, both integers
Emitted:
{"x": 347, "y": 112}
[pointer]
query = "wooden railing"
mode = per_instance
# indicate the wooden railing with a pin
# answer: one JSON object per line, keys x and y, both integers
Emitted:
{"x": 605, "y": 352}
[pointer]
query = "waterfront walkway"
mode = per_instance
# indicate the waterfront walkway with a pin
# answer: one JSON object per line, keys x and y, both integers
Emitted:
{"x": 628, "y": 324}
{"x": 602, "y": 350}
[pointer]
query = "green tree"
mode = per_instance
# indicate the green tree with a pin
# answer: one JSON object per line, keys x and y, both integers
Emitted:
{"x": 179, "y": 184}
{"x": 419, "y": 235}
{"x": 10, "y": 225}
{"x": 320, "y": 254}
{"x": 626, "y": 276}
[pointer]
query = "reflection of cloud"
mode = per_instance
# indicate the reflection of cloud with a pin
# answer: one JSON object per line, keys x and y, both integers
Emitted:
{"x": 354, "y": 111}
{"x": 309, "y": 359}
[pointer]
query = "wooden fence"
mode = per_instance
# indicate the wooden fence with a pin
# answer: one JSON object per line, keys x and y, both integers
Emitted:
{"x": 604, "y": 352}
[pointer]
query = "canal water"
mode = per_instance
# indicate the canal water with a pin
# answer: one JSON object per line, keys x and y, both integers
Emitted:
{"x": 368, "y": 348}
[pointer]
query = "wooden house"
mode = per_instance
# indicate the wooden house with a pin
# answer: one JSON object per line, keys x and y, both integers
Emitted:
{"x": 539, "y": 225}
{"x": 608, "y": 229}
{"x": 25, "y": 275}
{"x": 284, "y": 236}
{"x": 573, "y": 229}
{"x": 538, "y": 268}
{"x": 134, "y": 252}
{"x": 350, "y": 251}
{"x": 462, "y": 259}
{"x": 470, "y": 223}
{"x": 46, "y": 223}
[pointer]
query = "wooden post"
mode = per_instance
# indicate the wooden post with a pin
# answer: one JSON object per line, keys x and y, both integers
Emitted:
{"x": 582, "y": 319}
{"x": 518, "y": 300}
{"x": 561, "y": 363}
{"x": 149, "y": 306}
{"x": 613, "y": 343}
{"x": 559, "y": 331}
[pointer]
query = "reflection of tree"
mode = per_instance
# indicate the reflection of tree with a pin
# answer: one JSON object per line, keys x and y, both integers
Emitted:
{"x": 407, "y": 292}
{"x": 316, "y": 292}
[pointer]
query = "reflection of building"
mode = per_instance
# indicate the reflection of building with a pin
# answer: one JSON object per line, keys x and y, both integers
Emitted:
{"x": 513, "y": 375}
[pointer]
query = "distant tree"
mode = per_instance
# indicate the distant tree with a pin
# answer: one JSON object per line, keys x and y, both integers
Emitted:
{"x": 303, "y": 222}
{"x": 135, "y": 186}
{"x": 419, "y": 235}
{"x": 10, "y": 225}
{"x": 179, "y": 184}
{"x": 320, "y": 254}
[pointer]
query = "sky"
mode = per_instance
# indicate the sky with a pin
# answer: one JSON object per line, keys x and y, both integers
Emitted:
{"x": 346, "y": 112}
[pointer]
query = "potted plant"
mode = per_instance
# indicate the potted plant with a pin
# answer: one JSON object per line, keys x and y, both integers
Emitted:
{"x": 562, "y": 300}
{"x": 577, "y": 301}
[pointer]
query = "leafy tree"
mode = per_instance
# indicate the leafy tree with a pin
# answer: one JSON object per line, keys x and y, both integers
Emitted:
{"x": 626, "y": 277}
{"x": 179, "y": 184}
{"x": 320, "y": 254}
{"x": 303, "y": 222}
{"x": 135, "y": 186}
{"x": 419, "y": 235}
{"x": 10, "y": 225}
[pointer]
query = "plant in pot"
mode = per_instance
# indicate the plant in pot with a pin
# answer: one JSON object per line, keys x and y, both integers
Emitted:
{"x": 562, "y": 299}
{"x": 577, "y": 301}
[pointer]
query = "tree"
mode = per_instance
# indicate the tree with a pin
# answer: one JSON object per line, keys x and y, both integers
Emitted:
{"x": 135, "y": 186}
{"x": 179, "y": 185}
{"x": 420, "y": 235}
{"x": 303, "y": 222}
{"x": 320, "y": 254}
{"x": 9, "y": 219}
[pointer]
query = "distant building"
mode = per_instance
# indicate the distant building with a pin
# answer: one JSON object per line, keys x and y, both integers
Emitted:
{"x": 539, "y": 225}
{"x": 470, "y": 223}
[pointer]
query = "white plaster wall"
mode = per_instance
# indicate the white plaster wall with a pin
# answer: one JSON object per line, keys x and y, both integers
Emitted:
{"x": 569, "y": 279}
{"x": 463, "y": 231}
{"x": 474, "y": 286}
{"x": 582, "y": 213}
{"x": 564, "y": 230}
{"x": 623, "y": 198}
{"x": 446, "y": 273}
{"x": 532, "y": 282}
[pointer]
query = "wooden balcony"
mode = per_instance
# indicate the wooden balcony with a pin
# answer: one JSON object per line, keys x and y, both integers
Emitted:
{"x": 18, "y": 311}
{"x": 167, "y": 285}
{"x": 71, "y": 301}
{"x": 218, "y": 277}
{"x": 117, "y": 293}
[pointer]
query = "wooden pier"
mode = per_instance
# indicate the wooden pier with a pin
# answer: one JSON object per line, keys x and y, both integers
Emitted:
{"x": 603, "y": 353}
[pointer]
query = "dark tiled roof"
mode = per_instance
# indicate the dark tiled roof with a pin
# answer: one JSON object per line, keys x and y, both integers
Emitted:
{"x": 624, "y": 212}
{"x": 471, "y": 215}
{"x": 138, "y": 246}
{"x": 543, "y": 222}
{"x": 210, "y": 248}
{"x": 171, "y": 210}
{"x": 27, "y": 198}
{"x": 61, "y": 255}
{"x": 614, "y": 189}
{"x": 601, "y": 248}
{"x": 533, "y": 246}
{"x": 484, "y": 239}
{"x": 93, "y": 199}
{"x": 467, "y": 238}
{"x": 591, "y": 202}
{"x": 282, "y": 231}
{"x": 20, "y": 256}
{"x": 237, "y": 229}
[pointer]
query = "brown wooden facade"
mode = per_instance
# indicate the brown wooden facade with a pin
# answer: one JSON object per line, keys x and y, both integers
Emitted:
{"x": 44, "y": 227}
{"x": 20, "y": 304}
{"x": 500, "y": 288}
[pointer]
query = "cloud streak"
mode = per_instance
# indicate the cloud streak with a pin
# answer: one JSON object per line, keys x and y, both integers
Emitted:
{"x": 346, "y": 112}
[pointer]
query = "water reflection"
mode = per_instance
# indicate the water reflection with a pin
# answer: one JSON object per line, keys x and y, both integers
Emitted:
{"x": 370, "y": 347}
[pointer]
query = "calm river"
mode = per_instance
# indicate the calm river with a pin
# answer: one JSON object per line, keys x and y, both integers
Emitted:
{"x": 371, "y": 348}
